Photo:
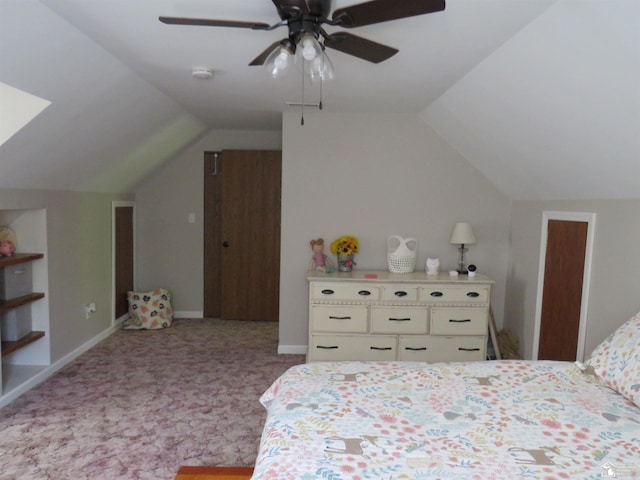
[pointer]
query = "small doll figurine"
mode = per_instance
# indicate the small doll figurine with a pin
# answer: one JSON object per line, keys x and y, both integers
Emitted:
{"x": 6, "y": 248}
{"x": 7, "y": 242}
{"x": 320, "y": 261}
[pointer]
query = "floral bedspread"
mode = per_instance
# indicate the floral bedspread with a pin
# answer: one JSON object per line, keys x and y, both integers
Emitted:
{"x": 482, "y": 420}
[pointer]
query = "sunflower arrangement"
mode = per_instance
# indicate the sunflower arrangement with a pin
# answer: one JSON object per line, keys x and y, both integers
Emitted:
{"x": 345, "y": 245}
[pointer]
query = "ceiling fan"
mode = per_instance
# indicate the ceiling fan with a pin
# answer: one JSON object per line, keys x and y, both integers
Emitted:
{"x": 305, "y": 20}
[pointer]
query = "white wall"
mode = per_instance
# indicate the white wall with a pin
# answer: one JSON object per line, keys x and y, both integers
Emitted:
{"x": 374, "y": 176}
{"x": 79, "y": 260}
{"x": 615, "y": 283}
{"x": 170, "y": 250}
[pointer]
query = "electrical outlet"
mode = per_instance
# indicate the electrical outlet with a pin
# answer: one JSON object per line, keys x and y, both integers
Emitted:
{"x": 89, "y": 309}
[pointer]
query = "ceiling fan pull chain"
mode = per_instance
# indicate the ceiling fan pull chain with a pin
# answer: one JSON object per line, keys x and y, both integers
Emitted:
{"x": 302, "y": 106}
{"x": 321, "y": 81}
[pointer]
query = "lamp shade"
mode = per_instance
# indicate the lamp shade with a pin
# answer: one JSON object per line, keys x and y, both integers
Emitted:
{"x": 462, "y": 234}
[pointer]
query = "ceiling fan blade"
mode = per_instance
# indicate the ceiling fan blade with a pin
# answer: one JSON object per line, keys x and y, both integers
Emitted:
{"x": 203, "y": 22}
{"x": 376, "y": 11}
{"x": 260, "y": 59}
{"x": 359, "y": 47}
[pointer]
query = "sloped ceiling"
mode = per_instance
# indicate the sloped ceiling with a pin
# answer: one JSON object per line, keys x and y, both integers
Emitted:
{"x": 542, "y": 96}
{"x": 105, "y": 129}
{"x": 555, "y": 112}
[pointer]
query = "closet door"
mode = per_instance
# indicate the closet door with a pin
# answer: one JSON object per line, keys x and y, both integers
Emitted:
{"x": 562, "y": 294}
{"x": 248, "y": 235}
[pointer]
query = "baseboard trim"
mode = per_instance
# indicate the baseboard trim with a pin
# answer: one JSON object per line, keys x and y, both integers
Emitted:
{"x": 54, "y": 367}
{"x": 292, "y": 349}
{"x": 187, "y": 314}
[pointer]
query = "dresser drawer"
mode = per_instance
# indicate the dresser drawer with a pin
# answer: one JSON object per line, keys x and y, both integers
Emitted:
{"x": 456, "y": 294}
{"x": 459, "y": 321}
{"x": 427, "y": 348}
{"x": 339, "y": 319}
{"x": 344, "y": 292}
{"x": 352, "y": 347}
{"x": 399, "y": 320}
{"x": 402, "y": 293}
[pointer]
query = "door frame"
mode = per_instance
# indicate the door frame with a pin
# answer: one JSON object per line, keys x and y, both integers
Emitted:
{"x": 590, "y": 219}
{"x": 115, "y": 205}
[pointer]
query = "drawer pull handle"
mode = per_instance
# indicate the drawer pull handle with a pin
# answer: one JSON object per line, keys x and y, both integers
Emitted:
{"x": 437, "y": 294}
{"x": 468, "y": 349}
{"x": 473, "y": 294}
{"x": 399, "y": 319}
{"x": 364, "y": 293}
{"x": 400, "y": 293}
{"x": 380, "y": 348}
{"x": 328, "y": 291}
{"x": 331, "y": 317}
{"x": 332, "y": 347}
{"x": 19, "y": 272}
{"x": 415, "y": 349}
{"x": 465, "y": 320}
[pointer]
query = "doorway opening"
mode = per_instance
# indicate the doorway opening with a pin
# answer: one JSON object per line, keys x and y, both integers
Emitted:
{"x": 123, "y": 247}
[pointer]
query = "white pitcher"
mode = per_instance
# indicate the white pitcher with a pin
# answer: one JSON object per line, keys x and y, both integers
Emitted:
{"x": 401, "y": 254}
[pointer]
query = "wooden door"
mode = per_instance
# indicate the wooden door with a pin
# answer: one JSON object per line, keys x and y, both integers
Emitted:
{"x": 247, "y": 187}
{"x": 562, "y": 290}
{"x": 123, "y": 257}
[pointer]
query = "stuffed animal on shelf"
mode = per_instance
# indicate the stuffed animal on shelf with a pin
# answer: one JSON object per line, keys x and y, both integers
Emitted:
{"x": 319, "y": 261}
{"x": 7, "y": 242}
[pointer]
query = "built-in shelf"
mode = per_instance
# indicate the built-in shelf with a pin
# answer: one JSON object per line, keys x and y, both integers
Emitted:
{"x": 25, "y": 349}
{"x": 19, "y": 258}
{"x": 11, "y": 346}
{"x": 6, "y": 305}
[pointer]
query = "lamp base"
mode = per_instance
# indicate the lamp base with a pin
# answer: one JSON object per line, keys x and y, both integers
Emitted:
{"x": 462, "y": 269}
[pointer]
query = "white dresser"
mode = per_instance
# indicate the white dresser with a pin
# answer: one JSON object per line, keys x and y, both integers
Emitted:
{"x": 378, "y": 315}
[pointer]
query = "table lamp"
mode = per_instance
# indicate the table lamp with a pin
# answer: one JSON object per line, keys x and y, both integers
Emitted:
{"x": 462, "y": 235}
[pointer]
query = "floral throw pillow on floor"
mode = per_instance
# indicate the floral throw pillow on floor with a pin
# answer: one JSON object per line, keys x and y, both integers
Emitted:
{"x": 149, "y": 310}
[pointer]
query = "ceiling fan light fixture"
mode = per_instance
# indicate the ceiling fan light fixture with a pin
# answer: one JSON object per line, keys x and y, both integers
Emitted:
{"x": 308, "y": 48}
{"x": 321, "y": 69}
{"x": 280, "y": 59}
{"x": 312, "y": 59}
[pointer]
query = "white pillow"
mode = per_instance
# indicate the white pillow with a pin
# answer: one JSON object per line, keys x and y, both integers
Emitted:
{"x": 616, "y": 361}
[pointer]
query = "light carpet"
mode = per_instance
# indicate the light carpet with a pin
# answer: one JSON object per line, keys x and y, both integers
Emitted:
{"x": 143, "y": 403}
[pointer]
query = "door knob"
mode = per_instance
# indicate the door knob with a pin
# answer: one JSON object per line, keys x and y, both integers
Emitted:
{"x": 225, "y": 244}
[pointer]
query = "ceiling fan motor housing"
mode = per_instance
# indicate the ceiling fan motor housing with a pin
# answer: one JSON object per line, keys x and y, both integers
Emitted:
{"x": 302, "y": 25}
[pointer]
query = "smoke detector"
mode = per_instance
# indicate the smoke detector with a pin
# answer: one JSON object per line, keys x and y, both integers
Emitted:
{"x": 203, "y": 73}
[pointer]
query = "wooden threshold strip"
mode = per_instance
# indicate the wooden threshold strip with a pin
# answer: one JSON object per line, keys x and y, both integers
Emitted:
{"x": 214, "y": 473}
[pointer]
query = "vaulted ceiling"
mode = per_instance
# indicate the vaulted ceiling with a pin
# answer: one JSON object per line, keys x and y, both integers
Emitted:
{"x": 532, "y": 92}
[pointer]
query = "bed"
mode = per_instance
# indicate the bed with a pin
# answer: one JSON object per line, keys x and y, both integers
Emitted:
{"x": 505, "y": 419}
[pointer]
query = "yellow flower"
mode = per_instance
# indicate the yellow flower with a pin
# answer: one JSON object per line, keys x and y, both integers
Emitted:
{"x": 345, "y": 245}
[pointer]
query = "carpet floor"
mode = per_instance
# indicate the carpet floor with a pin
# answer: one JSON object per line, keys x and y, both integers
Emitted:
{"x": 143, "y": 403}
